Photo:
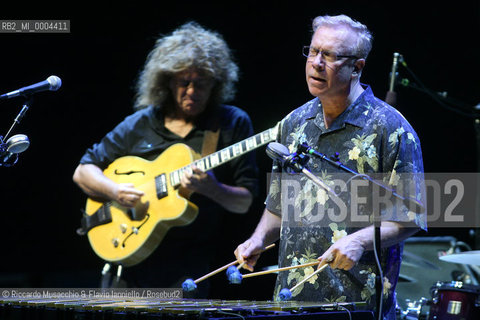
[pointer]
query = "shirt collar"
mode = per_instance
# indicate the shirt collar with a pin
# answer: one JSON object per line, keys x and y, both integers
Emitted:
{"x": 356, "y": 114}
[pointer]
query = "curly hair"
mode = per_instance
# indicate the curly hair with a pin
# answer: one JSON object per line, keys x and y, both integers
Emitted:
{"x": 365, "y": 38}
{"x": 189, "y": 46}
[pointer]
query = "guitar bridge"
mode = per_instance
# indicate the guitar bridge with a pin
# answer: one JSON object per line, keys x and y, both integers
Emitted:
{"x": 161, "y": 186}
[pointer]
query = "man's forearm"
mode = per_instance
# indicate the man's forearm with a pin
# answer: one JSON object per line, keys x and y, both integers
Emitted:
{"x": 391, "y": 232}
{"x": 93, "y": 182}
{"x": 268, "y": 229}
{"x": 234, "y": 199}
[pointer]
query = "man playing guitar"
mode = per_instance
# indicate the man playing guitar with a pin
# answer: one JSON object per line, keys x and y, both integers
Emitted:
{"x": 186, "y": 78}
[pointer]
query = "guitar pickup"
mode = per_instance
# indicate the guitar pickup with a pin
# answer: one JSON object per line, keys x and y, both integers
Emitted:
{"x": 161, "y": 186}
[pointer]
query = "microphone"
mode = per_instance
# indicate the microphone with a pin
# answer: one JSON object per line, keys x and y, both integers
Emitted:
{"x": 9, "y": 151}
{"x": 17, "y": 143}
{"x": 53, "y": 83}
{"x": 279, "y": 152}
{"x": 295, "y": 161}
{"x": 391, "y": 97}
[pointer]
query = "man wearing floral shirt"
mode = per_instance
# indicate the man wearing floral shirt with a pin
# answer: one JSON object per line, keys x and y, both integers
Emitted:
{"x": 370, "y": 137}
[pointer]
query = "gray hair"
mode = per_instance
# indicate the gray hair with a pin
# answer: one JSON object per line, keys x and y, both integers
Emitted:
{"x": 364, "y": 39}
{"x": 189, "y": 46}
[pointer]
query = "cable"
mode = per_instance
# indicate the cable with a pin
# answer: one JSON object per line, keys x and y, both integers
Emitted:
{"x": 231, "y": 314}
{"x": 346, "y": 309}
{"x": 421, "y": 87}
{"x": 379, "y": 267}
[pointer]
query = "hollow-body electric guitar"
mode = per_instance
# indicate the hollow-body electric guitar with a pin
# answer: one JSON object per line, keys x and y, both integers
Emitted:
{"x": 128, "y": 235}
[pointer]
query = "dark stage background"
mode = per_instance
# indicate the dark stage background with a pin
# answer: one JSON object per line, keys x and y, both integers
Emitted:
{"x": 99, "y": 62}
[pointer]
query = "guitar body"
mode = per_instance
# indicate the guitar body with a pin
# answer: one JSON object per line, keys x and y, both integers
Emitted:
{"x": 133, "y": 235}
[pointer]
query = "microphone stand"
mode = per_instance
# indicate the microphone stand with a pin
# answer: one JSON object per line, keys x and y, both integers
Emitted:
{"x": 5, "y": 161}
{"x": 297, "y": 161}
{"x": 304, "y": 148}
{"x": 20, "y": 115}
{"x": 413, "y": 204}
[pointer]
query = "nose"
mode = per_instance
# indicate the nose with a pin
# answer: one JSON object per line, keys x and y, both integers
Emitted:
{"x": 191, "y": 88}
{"x": 318, "y": 62}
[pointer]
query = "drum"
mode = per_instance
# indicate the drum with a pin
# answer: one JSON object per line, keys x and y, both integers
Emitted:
{"x": 454, "y": 301}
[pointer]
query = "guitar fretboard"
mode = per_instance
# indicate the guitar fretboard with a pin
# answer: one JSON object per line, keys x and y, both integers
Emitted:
{"x": 229, "y": 153}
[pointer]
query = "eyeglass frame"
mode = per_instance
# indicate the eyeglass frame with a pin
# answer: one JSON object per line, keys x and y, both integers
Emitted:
{"x": 201, "y": 83}
{"x": 339, "y": 56}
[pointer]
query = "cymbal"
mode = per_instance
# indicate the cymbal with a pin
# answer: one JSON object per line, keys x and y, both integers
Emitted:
{"x": 467, "y": 257}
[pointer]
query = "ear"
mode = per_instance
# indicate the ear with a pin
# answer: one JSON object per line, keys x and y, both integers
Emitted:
{"x": 358, "y": 67}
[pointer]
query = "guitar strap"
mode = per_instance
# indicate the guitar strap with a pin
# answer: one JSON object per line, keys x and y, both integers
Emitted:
{"x": 210, "y": 141}
{"x": 210, "y": 137}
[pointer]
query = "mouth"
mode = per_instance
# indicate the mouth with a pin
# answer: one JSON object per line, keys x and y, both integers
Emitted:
{"x": 317, "y": 79}
{"x": 189, "y": 101}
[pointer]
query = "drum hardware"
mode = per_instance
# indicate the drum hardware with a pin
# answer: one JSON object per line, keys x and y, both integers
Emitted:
{"x": 421, "y": 268}
{"x": 415, "y": 309}
{"x": 454, "y": 300}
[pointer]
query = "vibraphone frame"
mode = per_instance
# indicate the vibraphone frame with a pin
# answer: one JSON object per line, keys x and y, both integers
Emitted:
{"x": 101, "y": 309}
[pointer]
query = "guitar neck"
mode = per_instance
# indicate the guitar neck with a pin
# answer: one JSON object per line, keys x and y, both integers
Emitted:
{"x": 222, "y": 156}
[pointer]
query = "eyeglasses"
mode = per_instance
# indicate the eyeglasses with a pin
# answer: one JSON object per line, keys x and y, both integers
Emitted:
{"x": 197, "y": 83}
{"x": 328, "y": 56}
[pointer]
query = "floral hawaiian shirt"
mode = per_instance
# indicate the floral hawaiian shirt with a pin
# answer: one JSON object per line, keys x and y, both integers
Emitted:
{"x": 369, "y": 137}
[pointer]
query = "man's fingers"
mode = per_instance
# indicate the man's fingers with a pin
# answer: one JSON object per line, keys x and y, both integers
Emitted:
{"x": 129, "y": 188}
{"x": 127, "y": 195}
{"x": 326, "y": 258}
{"x": 336, "y": 261}
{"x": 134, "y": 193}
{"x": 244, "y": 253}
{"x": 197, "y": 170}
{"x": 248, "y": 267}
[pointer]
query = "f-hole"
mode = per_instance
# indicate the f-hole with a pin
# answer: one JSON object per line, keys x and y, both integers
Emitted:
{"x": 138, "y": 229}
{"x": 128, "y": 172}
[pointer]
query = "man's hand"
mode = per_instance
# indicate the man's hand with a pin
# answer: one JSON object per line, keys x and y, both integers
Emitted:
{"x": 347, "y": 251}
{"x": 343, "y": 254}
{"x": 249, "y": 252}
{"x": 126, "y": 195}
{"x": 199, "y": 181}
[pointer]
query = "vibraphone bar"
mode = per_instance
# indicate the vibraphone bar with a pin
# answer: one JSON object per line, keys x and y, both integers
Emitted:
{"x": 102, "y": 309}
